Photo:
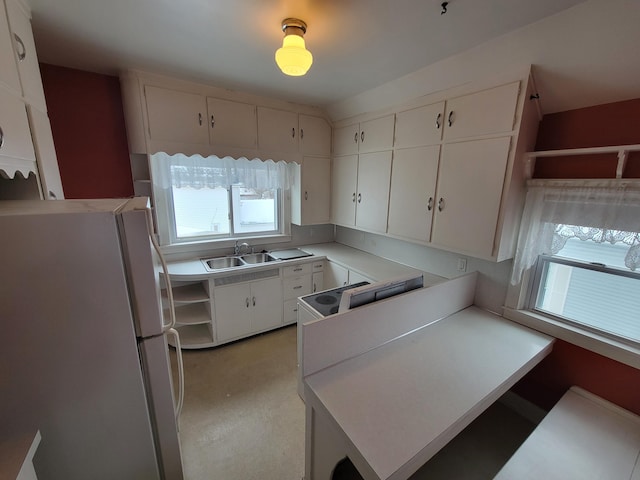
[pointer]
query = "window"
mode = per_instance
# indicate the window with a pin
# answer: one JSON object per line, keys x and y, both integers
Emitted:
{"x": 578, "y": 256}
{"x": 218, "y": 198}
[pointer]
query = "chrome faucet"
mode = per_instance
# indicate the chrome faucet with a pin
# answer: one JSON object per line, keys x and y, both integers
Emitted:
{"x": 241, "y": 249}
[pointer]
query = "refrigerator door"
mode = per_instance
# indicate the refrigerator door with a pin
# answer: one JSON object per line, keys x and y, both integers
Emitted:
{"x": 69, "y": 362}
{"x": 142, "y": 264}
{"x": 157, "y": 374}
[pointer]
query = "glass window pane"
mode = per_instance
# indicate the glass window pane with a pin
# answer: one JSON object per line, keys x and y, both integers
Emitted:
{"x": 600, "y": 300}
{"x": 254, "y": 210}
{"x": 201, "y": 211}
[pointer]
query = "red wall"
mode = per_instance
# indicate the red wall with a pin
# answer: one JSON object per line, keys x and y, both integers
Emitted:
{"x": 87, "y": 120}
{"x": 611, "y": 124}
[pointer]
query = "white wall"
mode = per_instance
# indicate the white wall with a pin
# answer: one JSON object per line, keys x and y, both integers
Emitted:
{"x": 576, "y": 54}
{"x": 493, "y": 277}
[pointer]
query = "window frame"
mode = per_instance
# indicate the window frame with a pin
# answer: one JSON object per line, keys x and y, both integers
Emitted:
{"x": 537, "y": 276}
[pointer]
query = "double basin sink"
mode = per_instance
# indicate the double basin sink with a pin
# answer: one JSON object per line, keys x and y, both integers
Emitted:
{"x": 220, "y": 263}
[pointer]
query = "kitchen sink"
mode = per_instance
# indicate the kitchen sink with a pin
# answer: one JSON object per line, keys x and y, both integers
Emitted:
{"x": 257, "y": 258}
{"x": 224, "y": 262}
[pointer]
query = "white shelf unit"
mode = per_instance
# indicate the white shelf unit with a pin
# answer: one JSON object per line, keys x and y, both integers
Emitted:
{"x": 193, "y": 313}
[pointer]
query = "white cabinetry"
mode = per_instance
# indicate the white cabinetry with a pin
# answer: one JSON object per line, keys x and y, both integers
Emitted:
{"x": 15, "y": 135}
{"x": 361, "y": 173}
{"x": 277, "y": 130}
{"x": 315, "y": 136}
{"x": 413, "y": 192}
{"x": 193, "y": 313}
{"x": 45, "y": 154}
{"x": 8, "y": 70}
{"x": 336, "y": 275}
{"x": 247, "y": 308}
{"x": 25, "y": 51}
{"x": 176, "y": 116}
{"x": 296, "y": 282}
{"x": 231, "y": 124}
{"x": 457, "y": 180}
{"x": 311, "y": 193}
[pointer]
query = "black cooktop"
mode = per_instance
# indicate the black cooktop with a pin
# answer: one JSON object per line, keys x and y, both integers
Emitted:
{"x": 327, "y": 302}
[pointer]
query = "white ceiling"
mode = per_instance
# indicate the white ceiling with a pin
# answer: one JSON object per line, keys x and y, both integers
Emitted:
{"x": 357, "y": 44}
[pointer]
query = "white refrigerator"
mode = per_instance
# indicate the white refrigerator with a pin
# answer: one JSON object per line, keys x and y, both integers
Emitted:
{"x": 83, "y": 352}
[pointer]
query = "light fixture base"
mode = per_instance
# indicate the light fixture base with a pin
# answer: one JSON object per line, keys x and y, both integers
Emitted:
{"x": 294, "y": 23}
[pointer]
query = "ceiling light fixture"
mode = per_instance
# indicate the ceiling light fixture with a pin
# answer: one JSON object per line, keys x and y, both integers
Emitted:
{"x": 293, "y": 58}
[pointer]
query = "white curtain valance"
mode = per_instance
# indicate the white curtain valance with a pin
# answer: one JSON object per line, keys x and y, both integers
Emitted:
{"x": 199, "y": 172}
{"x": 554, "y": 212}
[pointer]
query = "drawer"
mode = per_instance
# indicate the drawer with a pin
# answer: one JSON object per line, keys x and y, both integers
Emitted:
{"x": 290, "y": 311}
{"x": 301, "y": 269}
{"x": 317, "y": 266}
{"x": 293, "y": 287}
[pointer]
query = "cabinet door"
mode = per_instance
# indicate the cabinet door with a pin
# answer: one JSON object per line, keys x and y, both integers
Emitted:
{"x": 482, "y": 113}
{"x": 25, "y": 51}
{"x": 266, "y": 304}
{"x": 277, "y": 130}
{"x": 8, "y": 69}
{"x": 233, "y": 311}
{"x": 376, "y": 135}
{"x": 335, "y": 276}
{"x": 317, "y": 282}
{"x": 45, "y": 154}
{"x": 344, "y": 179}
{"x": 413, "y": 191}
{"x": 315, "y": 136}
{"x": 419, "y": 126}
{"x": 315, "y": 194}
{"x": 176, "y": 116}
{"x": 374, "y": 174}
{"x": 346, "y": 139}
{"x": 469, "y": 193}
{"x": 232, "y": 124}
{"x": 14, "y": 128}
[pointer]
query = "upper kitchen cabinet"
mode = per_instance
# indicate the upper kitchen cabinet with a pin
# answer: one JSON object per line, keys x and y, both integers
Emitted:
{"x": 413, "y": 192}
{"x": 231, "y": 123}
{"x": 176, "y": 116}
{"x": 281, "y": 131}
{"x": 25, "y": 54}
{"x": 310, "y": 193}
{"x": 277, "y": 130}
{"x": 16, "y": 146}
{"x": 419, "y": 126}
{"x": 368, "y": 136}
{"x": 487, "y": 112}
{"x": 45, "y": 154}
{"x": 8, "y": 69}
{"x": 360, "y": 190}
{"x": 315, "y": 136}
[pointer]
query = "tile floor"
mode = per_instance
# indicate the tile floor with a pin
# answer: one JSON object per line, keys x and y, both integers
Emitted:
{"x": 243, "y": 420}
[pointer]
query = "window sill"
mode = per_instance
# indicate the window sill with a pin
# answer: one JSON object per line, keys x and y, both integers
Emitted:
{"x": 600, "y": 344}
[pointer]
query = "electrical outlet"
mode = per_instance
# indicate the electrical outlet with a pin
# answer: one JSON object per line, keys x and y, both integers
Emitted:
{"x": 462, "y": 264}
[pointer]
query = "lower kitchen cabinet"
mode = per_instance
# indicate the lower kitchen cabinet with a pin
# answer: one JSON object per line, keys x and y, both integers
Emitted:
{"x": 338, "y": 276}
{"x": 244, "y": 309}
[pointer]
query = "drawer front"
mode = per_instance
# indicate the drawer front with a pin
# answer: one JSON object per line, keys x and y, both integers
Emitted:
{"x": 290, "y": 311}
{"x": 317, "y": 266}
{"x": 294, "y": 287}
{"x": 302, "y": 269}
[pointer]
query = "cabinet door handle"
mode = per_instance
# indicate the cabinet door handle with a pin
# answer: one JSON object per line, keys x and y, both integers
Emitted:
{"x": 355, "y": 137}
{"x": 306, "y": 195}
{"x": 253, "y": 300}
{"x": 450, "y": 118}
{"x": 301, "y": 133}
{"x": 441, "y": 204}
{"x": 430, "y": 204}
{"x": 52, "y": 195}
{"x": 247, "y": 303}
{"x": 2, "y": 143}
{"x": 359, "y": 198}
{"x": 297, "y": 287}
{"x": 293, "y": 133}
{"x": 297, "y": 269}
{"x": 200, "y": 119}
{"x": 21, "y": 50}
{"x": 353, "y": 199}
{"x": 438, "y": 121}
{"x": 362, "y": 137}
{"x": 213, "y": 121}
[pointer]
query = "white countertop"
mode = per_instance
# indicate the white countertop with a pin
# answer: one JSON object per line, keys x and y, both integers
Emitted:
{"x": 400, "y": 403}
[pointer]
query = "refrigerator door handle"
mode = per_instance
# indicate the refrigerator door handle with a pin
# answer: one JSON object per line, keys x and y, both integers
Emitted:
{"x": 172, "y": 311}
{"x": 180, "y": 401}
